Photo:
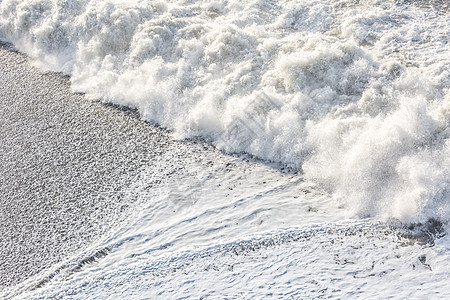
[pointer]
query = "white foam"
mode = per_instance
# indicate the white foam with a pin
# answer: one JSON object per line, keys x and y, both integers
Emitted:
{"x": 355, "y": 95}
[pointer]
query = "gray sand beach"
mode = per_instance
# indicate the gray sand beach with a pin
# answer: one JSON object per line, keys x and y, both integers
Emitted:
{"x": 64, "y": 162}
{"x": 73, "y": 169}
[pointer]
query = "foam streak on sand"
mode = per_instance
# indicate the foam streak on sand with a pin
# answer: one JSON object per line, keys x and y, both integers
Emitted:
{"x": 361, "y": 87}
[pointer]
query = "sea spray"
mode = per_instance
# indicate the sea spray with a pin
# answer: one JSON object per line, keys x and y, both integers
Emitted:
{"x": 358, "y": 90}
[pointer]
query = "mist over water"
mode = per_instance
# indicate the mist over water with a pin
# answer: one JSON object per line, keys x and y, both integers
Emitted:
{"x": 355, "y": 94}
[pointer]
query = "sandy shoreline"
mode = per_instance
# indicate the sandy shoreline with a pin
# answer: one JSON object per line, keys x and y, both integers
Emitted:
{"x": 71, "y": 168}
{"x": 64, "y": 163}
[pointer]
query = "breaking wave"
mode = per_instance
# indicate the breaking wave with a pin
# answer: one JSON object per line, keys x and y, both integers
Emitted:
{"x": 355, "y": 94}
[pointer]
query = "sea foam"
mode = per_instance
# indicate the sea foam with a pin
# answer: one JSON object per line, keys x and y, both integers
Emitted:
{"x": 355, "y": 94}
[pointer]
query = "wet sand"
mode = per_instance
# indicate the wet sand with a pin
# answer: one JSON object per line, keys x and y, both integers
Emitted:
{"x": 65, "y": 162}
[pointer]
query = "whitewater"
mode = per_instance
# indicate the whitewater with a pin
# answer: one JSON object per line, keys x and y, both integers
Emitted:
{"x": 333, "y": 118}
{"x": 358, "y": 90}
